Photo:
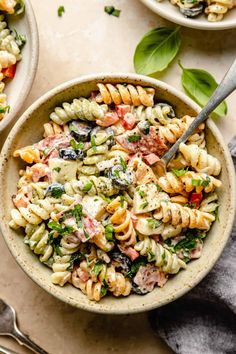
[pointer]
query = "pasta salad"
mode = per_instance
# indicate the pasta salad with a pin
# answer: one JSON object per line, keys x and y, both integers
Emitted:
{"x": 11, "y": 44}
{"x": 92, "y": 205}
{"x": 215, "y": 10}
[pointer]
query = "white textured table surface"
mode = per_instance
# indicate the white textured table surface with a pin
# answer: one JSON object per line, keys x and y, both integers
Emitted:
{"x": 86, "y": 40}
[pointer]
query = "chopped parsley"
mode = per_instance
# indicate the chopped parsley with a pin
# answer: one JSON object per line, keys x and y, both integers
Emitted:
{"x": 5, "y": 109}
{"x": 62, "y": 230}
{"x": 75, "y": 145}
{"x": 144, "y": 205}
{"x": 104, "y": 290}
{"x": 134, "y": 138}
{"x": 190, "y": 205}
{"x": 60, "y": 11}
{"x": 97, "y": 268}
{"x": 190, "y": 240}
{"x": 111, "y": 10}
{"x": 109, "y": 231}
{"x": 122, "y": 199}
{"x": 73, "y": 258}
{"x": 216, "y": 212}
{"x": 123, "y": 164}
{"x": 159, "y": 189}
{"x": 77, "y": 212}
{"x": 57, "y": 169}
{"x": 45, "y": 152}
{"x": 87, "y": 187}
{"x": 199, "y": 182}
{"x": 20, "y": 39}
{"x": 137, "y": 263}
{"x": 142, "y": 194}
{"x": 56, "y": 190}
{"x": 19, "y": 7}
{"x": 179, "y": 172}
{"x": 93, "y": 143}
{"x": 154, "y": 224}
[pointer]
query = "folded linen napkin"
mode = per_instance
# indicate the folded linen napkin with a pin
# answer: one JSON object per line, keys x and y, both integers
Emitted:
{"x": 204, "y": 320}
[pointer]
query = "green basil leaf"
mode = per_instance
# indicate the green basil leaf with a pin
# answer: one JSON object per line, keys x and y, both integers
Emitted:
{"x": 200, "y": 85}
{"x": 156, "y": 50}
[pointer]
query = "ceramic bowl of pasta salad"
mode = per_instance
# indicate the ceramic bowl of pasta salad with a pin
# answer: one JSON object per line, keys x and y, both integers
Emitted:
{"x": 200, "y": 14}
{"x": 86, "y": 214}
{"x": 18, "y": 57}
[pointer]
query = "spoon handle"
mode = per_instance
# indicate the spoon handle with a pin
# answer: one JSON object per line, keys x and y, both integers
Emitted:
{"x": 227, "y": 85}
{"x": 24, "y": 340}
{"x": 4, "y": 350}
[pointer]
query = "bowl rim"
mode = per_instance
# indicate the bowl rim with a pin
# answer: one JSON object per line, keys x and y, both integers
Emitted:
{"x": 6, "y": 151}
{"x": 32, "y": 69}
{"x": 188, "y": 22}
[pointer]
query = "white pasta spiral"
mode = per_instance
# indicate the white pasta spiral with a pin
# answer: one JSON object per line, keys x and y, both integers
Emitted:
{"x": 164, "y": 259}
{"x": 200, "y": 160}
{"x": 170, "y": 183}
{"x": 179, "y": 215}
{"x": 7, "y": 41}
{"x": 61, "y": 275}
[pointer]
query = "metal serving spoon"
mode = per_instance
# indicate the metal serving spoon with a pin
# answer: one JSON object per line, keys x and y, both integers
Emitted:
{"x": 225, "y": 88}
{"x": 4, "y": 350}
{"x": 8, "y": 327}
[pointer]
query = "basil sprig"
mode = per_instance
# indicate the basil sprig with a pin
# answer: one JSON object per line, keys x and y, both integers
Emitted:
{"x": 200, "y": 85}
{"x": 156, "y": 50}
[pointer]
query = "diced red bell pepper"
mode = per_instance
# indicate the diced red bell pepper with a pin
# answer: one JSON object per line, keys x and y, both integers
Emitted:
{"x": 128, "y": 121}
{"x": 151, "y": 159}
{"x": 9, "y": 72}
{"x": 122, "y": 109}
{"x": 196, "y": 198}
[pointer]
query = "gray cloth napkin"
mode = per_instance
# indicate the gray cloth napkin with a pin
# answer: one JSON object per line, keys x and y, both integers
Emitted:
{"x": 204, "y": 320}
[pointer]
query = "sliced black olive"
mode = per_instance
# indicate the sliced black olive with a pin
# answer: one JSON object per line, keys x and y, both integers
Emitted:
{"x": 70, "y": 154}
{"x": 80, "y": 130}
{"x": 144, "y": 127}
{"x": 121, "y": 261}
{"x": 171, "y": 114}
{"x": 55, "y": 190}
{"x": 120, "y": 178}
{"x": 138, "y": 290}
{"x": 193, "y": 11}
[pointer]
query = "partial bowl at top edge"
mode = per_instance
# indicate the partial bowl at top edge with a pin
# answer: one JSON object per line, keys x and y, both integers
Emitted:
{"x": 18, "y": 88}
{"x": 171, "y": 12}
{"x": 29, "y": 129}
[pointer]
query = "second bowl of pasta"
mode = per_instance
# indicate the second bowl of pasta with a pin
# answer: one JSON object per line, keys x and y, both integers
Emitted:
{"x": 86, "y": 214}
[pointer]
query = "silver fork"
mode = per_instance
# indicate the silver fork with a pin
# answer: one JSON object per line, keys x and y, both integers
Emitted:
{"x": 8, "y": 327}
{"x": 225, "y": 88}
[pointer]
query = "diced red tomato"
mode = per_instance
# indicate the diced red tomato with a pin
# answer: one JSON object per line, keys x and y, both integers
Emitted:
{"x": 151, "y": 159}
{"x": 129, "y": 121}
{"x": 196, "y": 198}
{"x": 9, "y": 72}
{"x": 109, "y": 119}
{"x": 122, "y": 109}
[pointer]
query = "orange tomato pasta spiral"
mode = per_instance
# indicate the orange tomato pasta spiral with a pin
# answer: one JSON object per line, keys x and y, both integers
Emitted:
{"x": 127, "y": 94}
{"x": 122, "y": 223}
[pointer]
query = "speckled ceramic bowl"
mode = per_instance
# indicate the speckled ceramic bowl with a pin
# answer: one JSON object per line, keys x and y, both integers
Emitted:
{"x": 166, "y": 10}
{"x": 18, "y": 89}
{"x": 29, "y": 129}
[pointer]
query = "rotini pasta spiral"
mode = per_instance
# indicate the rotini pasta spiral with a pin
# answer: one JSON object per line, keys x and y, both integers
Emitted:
{"x": 127, "y": 94}
{"x": 164, "y": 259}
{"x": 61, "y": 275}
{"x": 79, "y": 109}
{"x": 200, "y": 160}
{"x": 52, "y": 129}
{"x": 173, "y": 130}
{"x": 209, "y": 204}
{"x": 7, "y": 41}
{"x": 157, "y": 115}
{"x": 170, "y": 183}
{"x": 29, "y": 154}
{"x": 176, "y": 214}
{"x": 216, "y": 9}
{"x": 37, "y": 237}
{"x": 92, "y": 185}
{"x": 121, "y": 220}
